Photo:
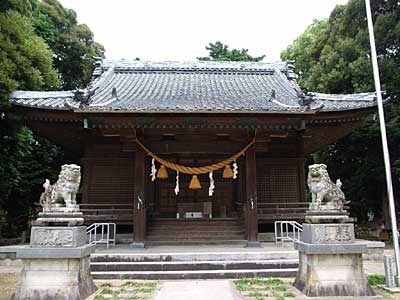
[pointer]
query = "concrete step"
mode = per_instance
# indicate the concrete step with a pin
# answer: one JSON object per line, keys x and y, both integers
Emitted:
{"x": 196, "y": 274}
{"x": 193, "y": 265}
{"x": 193, "y": 256}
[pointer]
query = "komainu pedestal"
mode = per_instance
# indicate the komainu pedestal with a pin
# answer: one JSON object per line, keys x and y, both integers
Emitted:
{"x": 56, "y": 266}
{"x": 330, "y": 259}
{"x": 56, "y": 273}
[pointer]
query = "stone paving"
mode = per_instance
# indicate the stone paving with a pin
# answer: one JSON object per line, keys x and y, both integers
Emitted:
{"x": 197, "y": 290}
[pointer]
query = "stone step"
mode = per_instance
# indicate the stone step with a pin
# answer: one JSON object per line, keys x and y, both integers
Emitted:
{"x": 193, "y": 265}
{"x": 193, "y": 256}
{"x": 195, "y": 274}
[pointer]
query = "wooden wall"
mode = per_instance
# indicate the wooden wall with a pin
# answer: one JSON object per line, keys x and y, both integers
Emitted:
{"x": 108, "y": 174}
{"x": 108, "y": 177}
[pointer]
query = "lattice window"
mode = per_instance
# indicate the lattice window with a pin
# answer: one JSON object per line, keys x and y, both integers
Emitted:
{"x": 277, "y": 182}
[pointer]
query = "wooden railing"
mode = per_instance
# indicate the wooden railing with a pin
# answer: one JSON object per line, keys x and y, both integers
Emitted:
{"x": 121, "y": 214}
{"x": 293, "y": 211}
{"x": 270, "y": 212}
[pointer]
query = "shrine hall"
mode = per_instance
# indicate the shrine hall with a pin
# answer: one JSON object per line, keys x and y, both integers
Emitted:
{"x": 191, "y": 152}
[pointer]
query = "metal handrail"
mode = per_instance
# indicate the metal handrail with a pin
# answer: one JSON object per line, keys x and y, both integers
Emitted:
{"x": 287, "y": 231}
{"x": 102, "y": 233}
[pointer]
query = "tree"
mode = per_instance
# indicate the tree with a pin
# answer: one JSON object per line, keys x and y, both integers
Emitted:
{"x": 35, "y": 35}
{"x": 25, "y": 63}
{"x": 220, "y": 52}
{"x": 333, "y": 56}
{"x": 73, "y": 46}
{"x": 25, "y": 60}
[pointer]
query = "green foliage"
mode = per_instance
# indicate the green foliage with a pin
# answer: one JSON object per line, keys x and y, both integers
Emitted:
{"x": 220, "y": 52}
{"x": 135, "y": 290}
{"x": 333, "y": 56}
{"x": 22, "y": 7}
{"x": 72, "y": 43}
{"x": 25, "y": 160}
{"x": 25, "y": 60}
{"x": 34, "y": 36}
{"x": 376, "y": 279}
{"x": 263, "y": 288}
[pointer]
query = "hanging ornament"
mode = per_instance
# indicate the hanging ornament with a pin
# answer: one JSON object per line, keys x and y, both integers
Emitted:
{"x": 227, "y": 172}
{"x": 235, "y": 170}
{"x": 194, "y": 183}
{"x": 212, "y": 185}
{"x": 153, "y": 172}
{"x": 162, "y": 172}
{"x": 177, "y": 183}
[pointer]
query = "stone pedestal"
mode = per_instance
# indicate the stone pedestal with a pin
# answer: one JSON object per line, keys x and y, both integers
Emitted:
{"x": 56, "y": 265}
{"x": 330, "y": 261}
{"x": 55, "y": 237}
{"x": 60, "y": 217}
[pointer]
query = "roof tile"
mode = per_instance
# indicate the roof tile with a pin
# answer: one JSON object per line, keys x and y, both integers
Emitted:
{"x": 194, "y": 86}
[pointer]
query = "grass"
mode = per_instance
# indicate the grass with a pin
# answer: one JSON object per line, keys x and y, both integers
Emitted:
{"x": 130, "y": 290}
{"x": 375, "y": 279}
{"x": 256, "y": 295}
{"x": 264, "y": 288}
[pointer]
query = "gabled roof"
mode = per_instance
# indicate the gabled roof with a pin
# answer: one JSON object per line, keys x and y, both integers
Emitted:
{"x": 169, "y": 87}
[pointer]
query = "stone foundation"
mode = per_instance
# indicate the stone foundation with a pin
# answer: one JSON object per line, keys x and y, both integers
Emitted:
{"x": 55, "y": 278}
{"x": 330, "y": 262}
{"x": 332, "y": 275}
{"x": 56, "y": 265}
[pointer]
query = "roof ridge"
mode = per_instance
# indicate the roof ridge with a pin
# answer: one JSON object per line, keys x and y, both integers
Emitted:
{"x": 268, "y": 71}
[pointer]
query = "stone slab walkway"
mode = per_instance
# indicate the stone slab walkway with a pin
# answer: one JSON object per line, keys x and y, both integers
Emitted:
{"x": 196, "y": 290}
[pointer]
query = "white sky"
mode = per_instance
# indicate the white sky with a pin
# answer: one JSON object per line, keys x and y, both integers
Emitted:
{"x": 180, "y": 29}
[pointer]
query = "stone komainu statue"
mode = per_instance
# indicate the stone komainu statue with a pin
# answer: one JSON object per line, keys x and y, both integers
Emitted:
{"x": 326, "y": 195}
{"x": 63, "y": 192}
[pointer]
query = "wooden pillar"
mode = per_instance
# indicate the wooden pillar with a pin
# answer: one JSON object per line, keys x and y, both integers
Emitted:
{"x": 139, "y": 201}
{"x": 301, "y": 170}
{"x": 251, "y": 199}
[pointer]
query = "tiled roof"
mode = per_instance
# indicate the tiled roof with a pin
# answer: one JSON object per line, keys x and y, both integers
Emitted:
{"x": 137, "y": 86}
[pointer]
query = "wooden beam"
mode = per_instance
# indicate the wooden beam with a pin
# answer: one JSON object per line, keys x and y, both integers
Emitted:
{"x": 251, "y": 199}
{"x": 139, "y": 201}
{"x": 195, "y": 147}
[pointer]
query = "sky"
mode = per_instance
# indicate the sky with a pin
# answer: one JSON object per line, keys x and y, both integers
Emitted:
{"x": 180, "y": 29}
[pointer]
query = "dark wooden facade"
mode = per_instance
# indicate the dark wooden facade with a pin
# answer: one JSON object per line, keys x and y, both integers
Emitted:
{"x": 116, "y": 170}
